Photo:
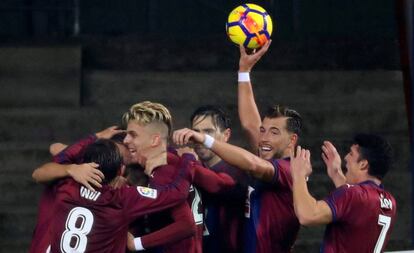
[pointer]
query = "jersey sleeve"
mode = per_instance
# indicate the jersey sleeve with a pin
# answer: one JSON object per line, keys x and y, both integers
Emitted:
{"x": 74, "y": 152}
{"x": 210, "y": 181}
{"x": 282, "y": 176}
{"x": 182, "y": 227}
{"x": 340, "y": 202}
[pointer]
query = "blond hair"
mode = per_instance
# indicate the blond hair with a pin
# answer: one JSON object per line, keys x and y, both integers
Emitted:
{"x": 147, "y": 112}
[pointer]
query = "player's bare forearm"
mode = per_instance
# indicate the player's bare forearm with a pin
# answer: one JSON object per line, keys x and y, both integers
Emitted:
{"x": 244, "y": 160}
{"x": 86, "y": 174}
{"x": 333, "y": 163}
{"x": 248, "y": 113}
{"x": 308, "y": 210}
{"x": 338, "y": 180}
{"x": 49, "y": 172}
{"x": 234, "y": 155}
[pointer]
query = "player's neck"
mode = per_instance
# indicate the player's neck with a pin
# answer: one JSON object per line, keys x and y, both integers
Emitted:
{"x": 155, "y": 159}
{"x": 373, "y": 179}
{"x": 364, "y": 178}
{"x": 213, "y": 161}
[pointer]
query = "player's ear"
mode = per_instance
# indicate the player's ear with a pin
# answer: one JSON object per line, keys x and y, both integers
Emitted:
{"x": 226, "y": 134}
{"x": 364, "y": 165}
{"x": 156, "y": 140}
{"x": 293, "y": 140}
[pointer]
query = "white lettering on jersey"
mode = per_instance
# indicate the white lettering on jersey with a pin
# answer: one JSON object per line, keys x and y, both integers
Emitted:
{"x": 247, "y": 205}
{"x": 385, "y": 203}
{"x": 88, "y": 194}
{"x": 147, "y": 192}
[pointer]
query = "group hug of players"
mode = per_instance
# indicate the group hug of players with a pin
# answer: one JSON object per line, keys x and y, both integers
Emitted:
{"x": 129, "y": 190}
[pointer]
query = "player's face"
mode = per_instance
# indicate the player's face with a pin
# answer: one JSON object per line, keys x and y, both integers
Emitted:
{"x": 138, "y": 141}
{"x": 353, "y": 164}
{"x": 206, "y": 125}
{"x": 274, "y": 139}
{"x": 126, "y": 155}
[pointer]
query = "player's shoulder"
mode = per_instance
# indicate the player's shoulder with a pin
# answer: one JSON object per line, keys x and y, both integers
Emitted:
{"x": 280, "y": 163}
{"x": 357, "y": 192}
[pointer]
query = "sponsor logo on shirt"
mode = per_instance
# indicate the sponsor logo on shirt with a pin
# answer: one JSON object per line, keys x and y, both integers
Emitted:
{"x": 385, "y": 203}
{"x": 88, "y": 194}
{"x": 147, "y": 192}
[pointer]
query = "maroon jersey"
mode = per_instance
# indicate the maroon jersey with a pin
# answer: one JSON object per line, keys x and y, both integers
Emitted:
{"x": 191, "y": 244}
{"x": 224, "y": 206}
{"x": 41, "y": 237}
{"x": 271, "y": 225}
{"x": 86, "y": 221}
{"x": 362, "y": 218}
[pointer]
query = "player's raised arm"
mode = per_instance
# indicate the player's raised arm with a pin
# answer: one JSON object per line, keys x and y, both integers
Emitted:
{"x": 333, "y": 163}
{"x": 248, "y": 113}
{"x": 234, "y": 155}
{"x": 308, "y": 210}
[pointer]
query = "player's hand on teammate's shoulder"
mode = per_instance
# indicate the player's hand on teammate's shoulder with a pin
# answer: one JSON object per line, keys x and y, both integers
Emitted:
{"x": 300, "y": 164}
{"x": 86, "y": 174}
{"x": 109, "y": 132}
{"x": 249, "y": 59}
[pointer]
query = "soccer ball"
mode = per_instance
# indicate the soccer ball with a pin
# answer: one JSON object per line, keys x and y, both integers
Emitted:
{"x": 250, "y": 25}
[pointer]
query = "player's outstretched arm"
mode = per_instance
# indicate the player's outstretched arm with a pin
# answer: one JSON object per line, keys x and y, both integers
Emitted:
{"x": 333, "y": 162}
{"x": 308, "y": 210}
{"x": 86, "y": 174}
{"x": 69, "y": 154}
{"x": 248, "y": 113}
{"x": 234, "y": 155}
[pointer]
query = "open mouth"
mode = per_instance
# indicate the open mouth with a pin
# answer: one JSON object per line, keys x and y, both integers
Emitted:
{"x": 133, "y": 152}
{"x": 265, "y": 148}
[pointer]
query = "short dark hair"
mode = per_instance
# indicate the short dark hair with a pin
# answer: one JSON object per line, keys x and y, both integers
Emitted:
{"x": 377, "y": 151}
{"x": 294, "y": 122}
{"x": 105, "y": 153}
{"x": 220, "y": 118}
{"x": 119, "y": 137}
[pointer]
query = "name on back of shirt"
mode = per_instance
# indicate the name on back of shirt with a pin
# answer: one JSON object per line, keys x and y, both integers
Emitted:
{"x": 88, "y": 194}
{"x": 385, "y": 203}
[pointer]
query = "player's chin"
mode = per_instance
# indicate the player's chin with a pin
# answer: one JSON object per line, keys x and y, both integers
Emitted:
{"x": 266, "y": 155}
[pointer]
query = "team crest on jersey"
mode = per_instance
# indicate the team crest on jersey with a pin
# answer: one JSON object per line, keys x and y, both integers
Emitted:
{"x": 147, "y": 192}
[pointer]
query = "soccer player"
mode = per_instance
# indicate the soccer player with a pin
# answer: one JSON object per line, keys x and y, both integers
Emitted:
{"x": 359, "y": 214}
{"x": 86, "y": 174}
{"x": 155, "y": 122}
{"x": 97, "y": 221}
{"x": 225, "y": 208}
{"x": 272, "y": 138}
{"x": 148, "y": 128}
{"x": 135, "y": 118}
